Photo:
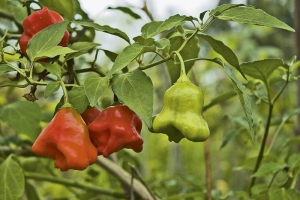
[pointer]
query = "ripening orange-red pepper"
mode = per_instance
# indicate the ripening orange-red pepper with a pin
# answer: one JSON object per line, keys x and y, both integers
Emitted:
{"x": 90, "y": 114}
{"x": 37, "y": 21}
{"x": 66, "y": 140}
{"x": 116, "y": 127}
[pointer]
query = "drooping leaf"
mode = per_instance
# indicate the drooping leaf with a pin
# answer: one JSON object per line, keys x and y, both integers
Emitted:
{"x": 31, "y": 191}
{"x": 46, "y": 38}
{"x": 244, "y": 98}
{"x": 135, "y": 89}
{"x": 126, "y": 10}
{"x": 261, "y": 69}
{"x": 228, "y": 137}
{"x": 23, "y": 117}
{"x": 11, "y": 180}
{"x": 94, "y": 87}
{"x": 153, "y": 28}
{"x": 80, "y": 48}
{"x": 65, "y": 8}
{"x": 78, "y": 99}
{"x": 250, "y": 15}
{"x": 190, "y": 50}
{"x": 105, "y": 29}
{"x": 223, "y": 50}
{"x": 268, "y": 168}
{"x": 51, "y": 88}
{"x": 129, "y": 54}
{"x": 111, "y": 55}
{"x": 52, "y": 68}
{"x": 219, "y": 99}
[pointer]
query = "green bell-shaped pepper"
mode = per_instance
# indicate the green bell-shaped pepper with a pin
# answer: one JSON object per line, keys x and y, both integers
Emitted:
{"x": 181, "y": 115}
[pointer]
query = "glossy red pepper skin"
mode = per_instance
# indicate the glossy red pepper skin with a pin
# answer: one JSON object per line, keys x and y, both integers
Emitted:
{"x": 37, "y": 21}
{"x": 66, "y": 140}
{"x": 90, "y": 114}
{"x": 115, "y": 128}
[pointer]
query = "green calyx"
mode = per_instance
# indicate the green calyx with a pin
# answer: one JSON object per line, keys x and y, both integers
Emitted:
{"x": 181, "y": 115}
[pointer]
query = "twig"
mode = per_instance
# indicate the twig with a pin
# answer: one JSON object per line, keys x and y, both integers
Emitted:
{"x": 208, "y": 169}
{"x": 124, "y": 177}
{"x": 72, "y": 183}
{"x": 141, "y": 179}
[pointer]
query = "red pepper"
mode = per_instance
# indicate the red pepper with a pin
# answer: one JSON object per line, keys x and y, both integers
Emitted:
{"x": 115, "y": 128}
{"x": 37, "y": 21}
{"x": 90, "y": 114}
{"x": 66, "y": 140}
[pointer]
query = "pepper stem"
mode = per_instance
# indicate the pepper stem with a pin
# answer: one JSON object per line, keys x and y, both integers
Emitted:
{"x": 181, "y": 63}
{"x": 63, "y": 86}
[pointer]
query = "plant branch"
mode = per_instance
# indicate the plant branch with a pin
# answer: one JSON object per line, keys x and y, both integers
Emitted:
{"x": 142, "y": 181}
{"x": 124, "y": 177}
{"x": 262, "y": 148}
{"x": 72, "y": 183}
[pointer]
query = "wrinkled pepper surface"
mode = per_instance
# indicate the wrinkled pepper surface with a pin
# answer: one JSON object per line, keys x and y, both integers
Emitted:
{"x": 66, "y": 140}
{"x": 116, "y": 127}
{"x": 181, "y": 115}
{"x": 37, "y": 21}
{"x": 90, "y": 114}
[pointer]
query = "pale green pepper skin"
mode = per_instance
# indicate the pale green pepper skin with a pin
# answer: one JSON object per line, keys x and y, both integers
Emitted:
{"x": 181, "y": 115}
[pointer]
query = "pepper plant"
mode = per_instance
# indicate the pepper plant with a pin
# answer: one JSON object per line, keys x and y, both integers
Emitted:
{"x": 100, "y": 111}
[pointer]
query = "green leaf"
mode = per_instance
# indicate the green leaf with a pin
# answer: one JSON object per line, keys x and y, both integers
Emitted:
{"x": 218, "y": 10}
{"x": 244, "y": 98}
{"x": 94, "y": 87}
{"x": 261, "y": 69}
{"x": 220, "y": 99}
{"x": 66, "y": 8}
{"x": 150, "y": 29}
{"x": 31, "y": 192}
{"x": 294, "y": 161}
{"x": 128, "y": 54}
{"x": 249, "y": 15}
{"x": 268, "y": 168}
{"x": 5, "y": 68}
{"x": 223, "y": 50}
{"x": 51, "y": 88}
{"x": 153, "y": 28}
{"x": 53, "y": 51}
{"x": 23, "y": 117}
{"x": 127, "y": 11}
{"x": 293, "y": 141}
{"x": 105, "y": 29}
{"x": 80, "y": 48}
{"x": 163, "y": 45}
{"x": 190, "y": 50}
{"x": 78, "y": 99}
{"x": 15, "y": 8}
{"x": 282, "y": 194}
{"x": 111, "y": 55}
{"x": 135, "y": 89}
{"x": 229, "y": 136}
{"x": 11, "y": 180}
{"x": 46, "y": 38}
{"x": 144, "y": 41}
{"x": 52, "y": 68}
